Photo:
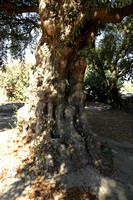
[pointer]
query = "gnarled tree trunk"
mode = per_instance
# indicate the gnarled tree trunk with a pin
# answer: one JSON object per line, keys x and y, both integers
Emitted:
{"x": 60, "y": 123}
{"x": 67, "y": 142}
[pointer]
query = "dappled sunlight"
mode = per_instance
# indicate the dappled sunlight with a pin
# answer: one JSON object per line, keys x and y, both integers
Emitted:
{"x": 110, "y": 189}
{"x": 55, "y": 191}
{"x": 9, "y": 161}
{"x": 17, "y": 157}
{"x": 118, "y": 16}
{"x": 18, "y": 152}
{"x": 95, "y": 13}
{"x": 52, "y": 152}
{"x": 8, "y": 115}
{"x": 13, "y": 152}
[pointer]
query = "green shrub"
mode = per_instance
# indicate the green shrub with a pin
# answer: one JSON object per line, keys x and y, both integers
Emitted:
{"x": 94, "y": 86}
{"x": 14, "y": 78}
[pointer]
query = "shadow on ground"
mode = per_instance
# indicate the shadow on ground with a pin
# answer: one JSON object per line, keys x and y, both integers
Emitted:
{"x": 119, "y": 186}
{"x": 7, "y": 115}
{"x": 109, "y": 123}
{"x": 14, "y": 188}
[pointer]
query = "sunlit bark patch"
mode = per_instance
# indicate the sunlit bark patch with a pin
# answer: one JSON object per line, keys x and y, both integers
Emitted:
{"x": 61, "y": 132}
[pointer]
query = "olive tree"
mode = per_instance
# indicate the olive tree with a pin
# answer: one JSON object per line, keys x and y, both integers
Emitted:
{"x": 58, "y": 118}
{"x": 109, "y": 60}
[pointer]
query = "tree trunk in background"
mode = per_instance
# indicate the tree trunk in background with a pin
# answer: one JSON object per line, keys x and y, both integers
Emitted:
{"x": 114, "y": 91}
{"x": 59, "y": 122}
{"x": 115, "y": 96}
{"x": 111, "y": 88}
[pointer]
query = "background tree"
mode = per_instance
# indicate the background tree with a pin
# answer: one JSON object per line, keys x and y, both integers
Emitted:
{"x": 94, "y": 86}
{"x": 19, "y": 26}
{"x": 58, "y": 118}
{"x": 14, "y": 81}
{"x": 109, "y": 61}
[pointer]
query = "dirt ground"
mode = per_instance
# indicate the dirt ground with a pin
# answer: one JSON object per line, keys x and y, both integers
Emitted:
{"x": 102, "y": 120}
{"x": 106, "y": 122}
{"x": 116, "y": 125}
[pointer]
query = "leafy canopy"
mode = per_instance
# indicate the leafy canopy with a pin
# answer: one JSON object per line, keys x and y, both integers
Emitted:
{"x": 19, "y": 22}
{"x": 110, "y": 59}
{"x": 19, "y": 28}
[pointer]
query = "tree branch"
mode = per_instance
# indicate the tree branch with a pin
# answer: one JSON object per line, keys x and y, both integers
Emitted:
{"x": 12, "y": 8}
{"x": 119, "y": 75}
{"x": 23, "y": 21}
{"x": 111, "y": 15}
{"x": 107, "y": 15}
{"x": 32, "y": 22}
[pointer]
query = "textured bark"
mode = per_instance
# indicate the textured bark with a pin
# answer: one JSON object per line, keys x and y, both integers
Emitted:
{"x": 58, "y": 120}
{"x": 65, "y": 141}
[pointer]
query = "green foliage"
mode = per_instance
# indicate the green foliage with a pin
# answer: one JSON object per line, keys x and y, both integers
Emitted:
{"x": 94, "y": 86}
{"x": 104, "y": 147}
{"x": 104, "y": 142}
{"x": 109, "y": 61}
{"x": 105, "y": 151}
{"x": 58, "y": 52}
{"x": 14, "y": 78}
{"x": 18, "y": 31}
{"x": 83, "y": 138}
